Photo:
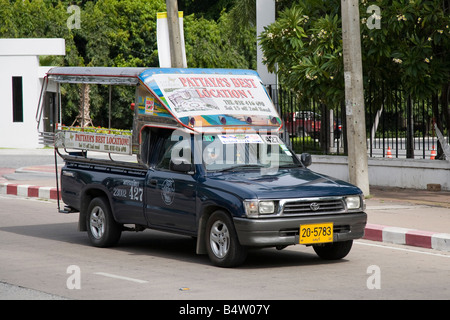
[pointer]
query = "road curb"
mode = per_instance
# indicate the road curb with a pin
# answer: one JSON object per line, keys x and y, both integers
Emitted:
{"x": 410, "y": 237}
{"x": 29, "y": 191}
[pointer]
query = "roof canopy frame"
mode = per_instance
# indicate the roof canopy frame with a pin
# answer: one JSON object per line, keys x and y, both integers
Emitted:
{"x": 96, "y": 75}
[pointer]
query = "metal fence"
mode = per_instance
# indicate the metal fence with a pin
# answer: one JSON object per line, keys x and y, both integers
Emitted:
{"x": 396, "y": 125}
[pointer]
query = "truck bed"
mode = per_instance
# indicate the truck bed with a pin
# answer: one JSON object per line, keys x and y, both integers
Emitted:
{"x": 83, "y": 179}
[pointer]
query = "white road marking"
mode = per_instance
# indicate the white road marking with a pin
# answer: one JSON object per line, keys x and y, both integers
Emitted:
{"x": 119, "y": 277}
{"x": 392, "y": 207}
{"x": 401, "y": 249}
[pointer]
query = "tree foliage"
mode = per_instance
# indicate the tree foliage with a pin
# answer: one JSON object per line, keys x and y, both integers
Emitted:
{"x": 211, "y": 44}
{"x": 207, "y": 9}
{"x": 410, "y": 48}
{"x": 306, "y": 49}
{"x": 414, "y": 42}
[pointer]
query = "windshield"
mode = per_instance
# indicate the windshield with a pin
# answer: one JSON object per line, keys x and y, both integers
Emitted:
{"x": 237, "y": 151}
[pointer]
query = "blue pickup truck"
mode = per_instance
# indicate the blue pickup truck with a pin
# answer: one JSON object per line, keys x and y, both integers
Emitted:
{"x": 210, "y": 164}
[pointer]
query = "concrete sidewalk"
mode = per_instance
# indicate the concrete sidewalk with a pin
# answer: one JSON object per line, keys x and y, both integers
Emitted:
{"x": 418, "y": 218}
{"x": 32, "y": 182}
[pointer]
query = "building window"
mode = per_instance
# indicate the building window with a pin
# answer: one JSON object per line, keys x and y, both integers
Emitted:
{"x": 17, "y": 97}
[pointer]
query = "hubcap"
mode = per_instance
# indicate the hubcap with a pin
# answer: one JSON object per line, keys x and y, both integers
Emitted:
{"x": 219, "y": 239}
{"x": 97, "y": 222}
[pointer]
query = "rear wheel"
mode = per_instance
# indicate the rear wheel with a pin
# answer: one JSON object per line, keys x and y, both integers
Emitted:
{"x": 103, "y": 230}
{"x": 333, "y": 250}
{"x": 223, "y": 247}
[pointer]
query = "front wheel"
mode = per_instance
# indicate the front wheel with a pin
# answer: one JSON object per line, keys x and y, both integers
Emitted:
{"x": 333, "y": 250}
{"x": 224, "y": 249}
{"x": 103, "y": 230}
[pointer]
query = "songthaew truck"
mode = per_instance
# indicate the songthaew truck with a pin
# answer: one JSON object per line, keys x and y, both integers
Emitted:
{"x": 207, "y": 162}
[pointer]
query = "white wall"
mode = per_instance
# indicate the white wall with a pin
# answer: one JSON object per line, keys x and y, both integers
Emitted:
{"x": 20, "y": 57}
{"x": 402, "y": 173}
{"x": 18, "y": 134}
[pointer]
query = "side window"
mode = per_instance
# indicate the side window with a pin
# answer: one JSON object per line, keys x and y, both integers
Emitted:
{"x": 179, "y": 149}
{"x": 145, "y": 146}
{"x": 166, "y": 151}
{"x": 154, "y": 145}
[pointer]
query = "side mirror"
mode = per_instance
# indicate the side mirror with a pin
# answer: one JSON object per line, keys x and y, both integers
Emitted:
{"x": 182, "y": 167}
{"x": 306, "y": 159}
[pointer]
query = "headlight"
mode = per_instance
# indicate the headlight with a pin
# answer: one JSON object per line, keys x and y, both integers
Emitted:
{"x": 266, "y": 207}
{"x": 353, "y": 202}
{"x": 253, "y": 208}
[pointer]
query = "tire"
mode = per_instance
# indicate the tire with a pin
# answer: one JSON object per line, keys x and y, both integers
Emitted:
{"x": 222, "y": 244}
{"x": 102, "y": 229}
{"x": 334, "y": 250}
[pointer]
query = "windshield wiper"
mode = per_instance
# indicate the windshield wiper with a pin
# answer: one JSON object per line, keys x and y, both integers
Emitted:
{"x": 291, "y": 165}
{"x": 251, "y": 166}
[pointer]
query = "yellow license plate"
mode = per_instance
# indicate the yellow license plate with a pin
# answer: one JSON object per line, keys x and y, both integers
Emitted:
{"x": 316, "y": 233}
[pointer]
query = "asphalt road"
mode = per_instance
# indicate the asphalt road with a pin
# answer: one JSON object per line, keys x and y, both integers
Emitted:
{"x": 43, "y": 256}
{"x": 16, "y": 158}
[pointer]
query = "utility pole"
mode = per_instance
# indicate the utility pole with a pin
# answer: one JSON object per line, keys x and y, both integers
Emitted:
{"x": 176, "y": 54}
{"x": 265, "y": 15}
{"x": 354, "y": 96}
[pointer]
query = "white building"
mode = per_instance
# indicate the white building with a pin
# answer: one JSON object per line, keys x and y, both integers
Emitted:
{"x": 20, "y": 86}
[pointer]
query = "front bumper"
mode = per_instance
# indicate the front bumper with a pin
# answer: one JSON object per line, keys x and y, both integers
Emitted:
{"x": 268, "y": 232}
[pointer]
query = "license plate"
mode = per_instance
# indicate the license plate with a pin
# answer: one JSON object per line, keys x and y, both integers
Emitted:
{"x": 316, "y": 233}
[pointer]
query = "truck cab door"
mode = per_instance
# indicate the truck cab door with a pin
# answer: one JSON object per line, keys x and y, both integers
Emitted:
{"x": 171, "y": 194}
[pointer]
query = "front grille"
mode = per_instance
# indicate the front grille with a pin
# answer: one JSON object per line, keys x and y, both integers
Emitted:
{"x": 313, "y": 206}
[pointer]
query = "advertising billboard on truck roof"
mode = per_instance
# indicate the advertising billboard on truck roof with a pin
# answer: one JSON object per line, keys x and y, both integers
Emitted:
{"x": 199, "y": 99}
